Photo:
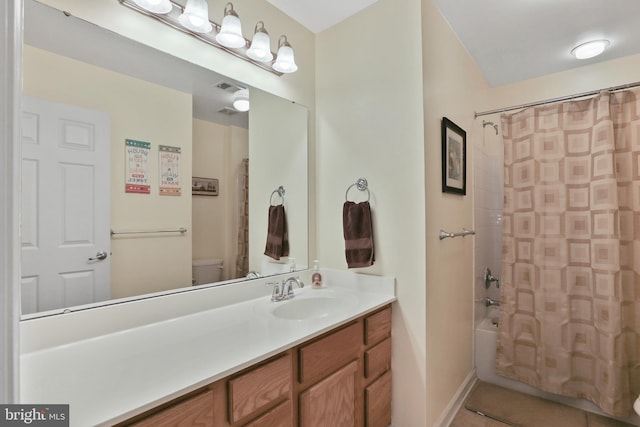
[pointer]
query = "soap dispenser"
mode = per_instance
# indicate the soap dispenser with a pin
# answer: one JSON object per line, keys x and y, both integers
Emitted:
{"x": 316, "y": 277}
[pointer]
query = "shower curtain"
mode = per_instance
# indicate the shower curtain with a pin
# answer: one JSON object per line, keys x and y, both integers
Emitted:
{"x": 570, "y": 295}
{"x": 242, "y": 257}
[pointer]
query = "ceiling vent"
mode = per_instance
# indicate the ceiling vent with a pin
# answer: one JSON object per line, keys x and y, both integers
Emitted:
{"x": 228, "y": 87}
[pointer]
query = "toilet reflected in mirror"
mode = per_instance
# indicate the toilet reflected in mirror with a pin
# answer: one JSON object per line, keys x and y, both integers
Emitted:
{"x": 208, "y": 270}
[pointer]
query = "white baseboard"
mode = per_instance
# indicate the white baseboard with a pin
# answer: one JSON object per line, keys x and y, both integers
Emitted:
{"x": 458, "y": 400}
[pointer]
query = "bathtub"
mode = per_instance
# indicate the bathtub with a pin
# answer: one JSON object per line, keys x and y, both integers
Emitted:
{"x": 486, "y": 340}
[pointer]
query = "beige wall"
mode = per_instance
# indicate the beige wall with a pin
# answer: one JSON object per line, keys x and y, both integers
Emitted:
{"x": 144, "y": 112}
{"x": 370, "y": 124}
{"x": 453, "y": 87}
{"x": 218, "y": 151}
{"x": 277, "y": 157}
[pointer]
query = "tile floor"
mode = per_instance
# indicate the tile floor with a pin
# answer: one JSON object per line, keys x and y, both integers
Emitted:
{"x": 531, "y": 412}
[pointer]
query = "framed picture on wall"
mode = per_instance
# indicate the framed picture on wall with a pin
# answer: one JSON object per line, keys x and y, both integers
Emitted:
{"x": 204, "y": 186}
{"x": 454, "y": 158}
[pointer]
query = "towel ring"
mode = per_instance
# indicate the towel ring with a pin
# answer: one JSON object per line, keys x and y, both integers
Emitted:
{"x": 362, "y": 185}
{"x": 280, "y": 192}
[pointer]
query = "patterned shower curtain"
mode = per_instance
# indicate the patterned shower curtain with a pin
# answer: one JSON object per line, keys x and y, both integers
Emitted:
{"x": 242, "y": 257}
{"x": 570, "y": 295}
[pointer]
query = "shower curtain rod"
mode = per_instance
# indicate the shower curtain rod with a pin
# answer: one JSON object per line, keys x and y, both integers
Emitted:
{"x": 562, "y": 98}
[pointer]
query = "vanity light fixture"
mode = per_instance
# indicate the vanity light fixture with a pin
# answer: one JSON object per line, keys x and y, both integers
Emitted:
{"x": 285, "y": 62}
{"x": 589, "y": 49}
{"x": 241, "y": 100}
{"x": 230, "y": 33}
{"x": 193, "y": 19}
{"x": 155, "y": 6}
{"x": 196, "y": 16}
{"x": 260, "y": 49}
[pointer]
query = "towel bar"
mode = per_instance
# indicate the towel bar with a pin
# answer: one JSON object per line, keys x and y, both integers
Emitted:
{"x": 180, "y": 230}
{"x": 362, "y": 185}
{"x": 280, "y": 192}
{"x": 444, "y": 234}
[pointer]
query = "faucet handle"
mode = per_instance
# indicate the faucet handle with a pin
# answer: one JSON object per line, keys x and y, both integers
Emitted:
{"x": 488, "y": 278}
{"x": 287, "y": 290}
{"x": 276, "y": 295}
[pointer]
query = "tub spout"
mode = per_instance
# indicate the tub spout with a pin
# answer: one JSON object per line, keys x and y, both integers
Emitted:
{"x": 491, "y": 302}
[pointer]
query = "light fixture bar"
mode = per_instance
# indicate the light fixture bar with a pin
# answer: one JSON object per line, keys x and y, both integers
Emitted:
{"x": 171, "y": 19}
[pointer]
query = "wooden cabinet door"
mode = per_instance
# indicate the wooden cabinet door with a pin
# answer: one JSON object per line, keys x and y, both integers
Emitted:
{"x": 377, "y": 402}
{"x": 332, "y": 401}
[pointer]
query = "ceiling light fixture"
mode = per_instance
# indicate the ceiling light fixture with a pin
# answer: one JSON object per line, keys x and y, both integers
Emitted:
{"x": 193, "y": 19}
{"x": 285, "y": 62}
{"x": 590, "y": 49}
{"x": 260, "y": 49}
{"x": 241, "y": 100}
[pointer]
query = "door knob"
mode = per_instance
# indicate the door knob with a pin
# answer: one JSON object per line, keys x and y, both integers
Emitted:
{"x": 99, "y": 256}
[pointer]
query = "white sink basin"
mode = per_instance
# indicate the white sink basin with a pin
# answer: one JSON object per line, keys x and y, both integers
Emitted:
{"x": 309, "y": 304}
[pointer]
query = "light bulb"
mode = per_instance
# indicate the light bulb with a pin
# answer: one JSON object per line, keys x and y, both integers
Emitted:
{"x": 285, "y": 61}
{"x": 155, "y": 6}
{"x": 230, "y": 34}
{"x": 260, "y": 49}
{"x": 196, "y": 16}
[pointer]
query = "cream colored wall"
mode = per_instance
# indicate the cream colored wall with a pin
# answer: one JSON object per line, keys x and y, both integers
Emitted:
{"x": 370, "y": 124}
{"x": 278, "y": 132}
{"x": 218, "y": 151}
{"x": 140, "y": 111}
{"x": 453, "y": 87}
{"x": 579, "y": 80}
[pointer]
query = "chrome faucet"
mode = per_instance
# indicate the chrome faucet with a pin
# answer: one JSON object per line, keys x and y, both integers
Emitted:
{"x": 491, "y": 302}
{"x": 488, "y": 278}
{"x": 253, "y": 275}
{"x": 285, "y": 292}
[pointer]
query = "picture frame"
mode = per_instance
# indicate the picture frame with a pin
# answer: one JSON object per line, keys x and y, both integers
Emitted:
{"x": 204, "y": 186}
{"x": 454, "y": 158}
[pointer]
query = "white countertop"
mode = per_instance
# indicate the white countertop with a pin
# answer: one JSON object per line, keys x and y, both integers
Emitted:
{"x": 112, "y": 376}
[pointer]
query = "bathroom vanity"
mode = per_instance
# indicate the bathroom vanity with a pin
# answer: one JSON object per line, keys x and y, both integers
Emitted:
{"x": 221, "y": 356}
{"x": 342, "y": 377}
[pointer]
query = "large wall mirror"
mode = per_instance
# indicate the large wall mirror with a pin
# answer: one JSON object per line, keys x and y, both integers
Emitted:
{"x": 137, "y": 170}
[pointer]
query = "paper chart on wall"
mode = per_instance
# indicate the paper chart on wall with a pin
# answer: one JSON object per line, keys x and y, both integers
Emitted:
{"x": 169, "y": 170}
{"x": 137, "y": 166}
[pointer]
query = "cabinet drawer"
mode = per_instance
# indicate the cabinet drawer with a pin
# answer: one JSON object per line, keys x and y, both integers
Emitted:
{"x": 196, "y": 410}
{"x": 377, "y": 401}
{"x": 259, "y": 387}
{"x": 329, "y": 353}
{"x": 377, "y": 326}
{"x": 280, "y": 416}
{"x": 377, "y": 359}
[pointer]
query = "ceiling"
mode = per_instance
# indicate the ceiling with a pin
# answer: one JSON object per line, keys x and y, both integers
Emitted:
{"x": 510, "y": 40}
{"x": 52, "y": 30}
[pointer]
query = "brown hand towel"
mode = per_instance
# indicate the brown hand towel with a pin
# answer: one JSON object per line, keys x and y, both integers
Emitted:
{"x": 277, "y": 236}
{"x": 358, "y": 234}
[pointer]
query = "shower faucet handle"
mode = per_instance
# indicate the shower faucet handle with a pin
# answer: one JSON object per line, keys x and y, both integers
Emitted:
{"x": 488, "y": 278}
